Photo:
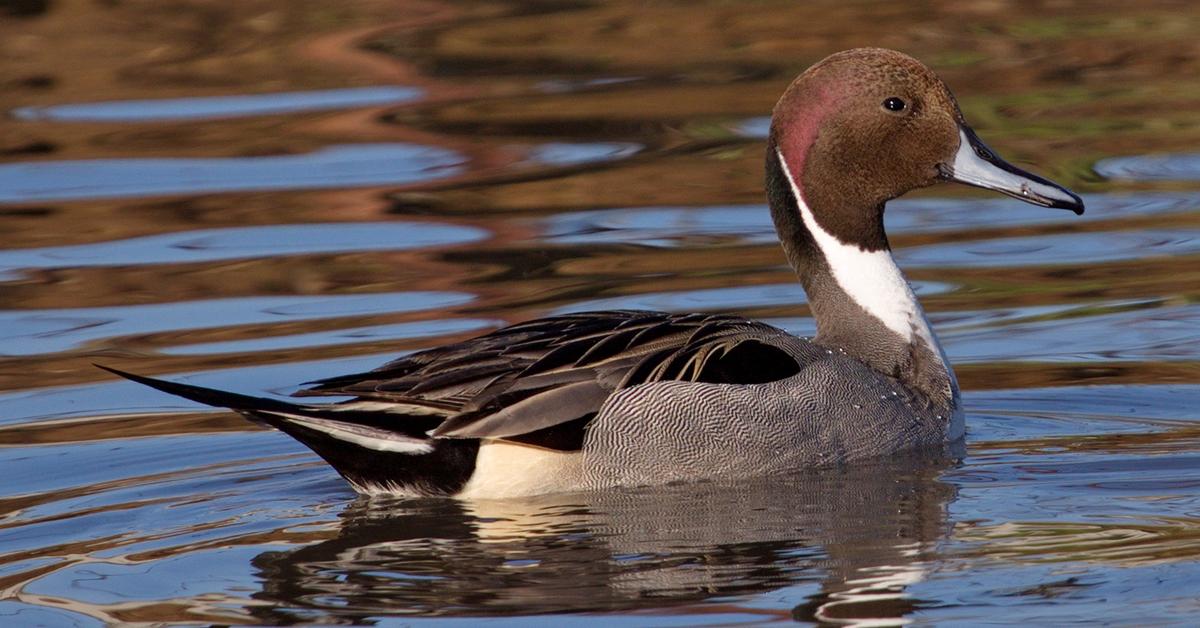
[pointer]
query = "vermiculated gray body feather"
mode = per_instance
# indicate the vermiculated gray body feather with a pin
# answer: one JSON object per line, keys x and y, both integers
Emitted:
{"x": 832, "y": 411}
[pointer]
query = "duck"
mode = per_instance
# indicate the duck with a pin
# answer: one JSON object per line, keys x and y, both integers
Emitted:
{"x": 596, "y": 400}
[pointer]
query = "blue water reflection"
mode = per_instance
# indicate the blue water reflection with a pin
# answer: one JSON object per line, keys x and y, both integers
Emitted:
{"x": 352, "y": 335}
{"x": 211, "y": 107}
{"x": 348, "y": 165}
{"x": 34, "y": 332}
{"x": 211, "y": 245}
{"x": 1167, "y": 167}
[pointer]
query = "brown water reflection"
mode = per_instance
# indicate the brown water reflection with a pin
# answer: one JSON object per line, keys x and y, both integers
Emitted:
{"x": 604, "y": 153}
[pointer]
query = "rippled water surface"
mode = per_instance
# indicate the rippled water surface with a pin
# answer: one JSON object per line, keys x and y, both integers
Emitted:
{"x": 251, "y": 195}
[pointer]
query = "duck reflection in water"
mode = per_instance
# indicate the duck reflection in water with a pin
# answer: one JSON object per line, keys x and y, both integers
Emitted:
{"x": 849, "y": 541}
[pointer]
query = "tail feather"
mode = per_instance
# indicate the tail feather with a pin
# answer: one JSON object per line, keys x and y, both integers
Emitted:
{"x": 370, "y": 428}
{"x": 209, "y": 396}
{"x": 370, "y": 448}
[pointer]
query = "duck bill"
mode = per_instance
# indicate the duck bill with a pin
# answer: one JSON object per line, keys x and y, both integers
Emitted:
{"x": 976, "y": 164}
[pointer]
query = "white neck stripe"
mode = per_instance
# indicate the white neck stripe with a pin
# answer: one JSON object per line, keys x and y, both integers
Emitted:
{"x": 870, "y": 278}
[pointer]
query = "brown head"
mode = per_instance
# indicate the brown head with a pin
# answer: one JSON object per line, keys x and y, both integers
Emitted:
{"x": 864, "y": 126}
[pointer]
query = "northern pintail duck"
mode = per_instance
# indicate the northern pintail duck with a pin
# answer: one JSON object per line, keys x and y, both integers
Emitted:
{"x": 600, "y": 399}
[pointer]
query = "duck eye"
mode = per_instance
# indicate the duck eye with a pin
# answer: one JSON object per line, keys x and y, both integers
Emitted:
{"x": 894, "y": 104}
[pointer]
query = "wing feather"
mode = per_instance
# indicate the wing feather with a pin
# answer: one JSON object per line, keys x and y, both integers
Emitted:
{"x": 517, "y": 382}
{"x": 549, "y": 407}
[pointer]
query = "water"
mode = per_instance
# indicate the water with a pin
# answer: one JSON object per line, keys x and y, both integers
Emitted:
{"x": 255, "y": 195}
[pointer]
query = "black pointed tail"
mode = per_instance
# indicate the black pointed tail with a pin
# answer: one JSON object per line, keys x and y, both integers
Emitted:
{"x": 376, "y": 451}
{"x": 209, "y": 396}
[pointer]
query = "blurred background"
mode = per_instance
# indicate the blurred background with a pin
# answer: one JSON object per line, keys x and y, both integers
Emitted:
{"x": 250, "y": 195}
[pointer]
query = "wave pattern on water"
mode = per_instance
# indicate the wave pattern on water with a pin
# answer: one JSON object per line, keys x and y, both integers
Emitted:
{"x": 211, "y": 245}
{"x": 331, "y": 167}
{"x": 163, "y": 215}
{"x": 219, "y": 106}
{"x": 1177, "y": 167}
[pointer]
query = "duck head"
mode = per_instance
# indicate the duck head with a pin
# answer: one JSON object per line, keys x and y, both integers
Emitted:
{"x": 854, "y": 131}
{"x": 864, "y": 126}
